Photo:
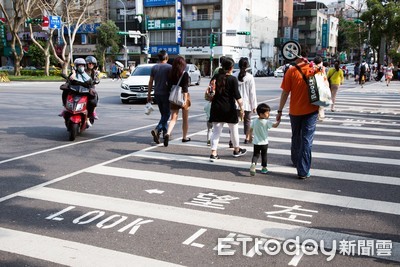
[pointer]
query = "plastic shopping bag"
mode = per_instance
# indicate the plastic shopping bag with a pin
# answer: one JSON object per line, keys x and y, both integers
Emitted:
{"x": 148, "y": 108}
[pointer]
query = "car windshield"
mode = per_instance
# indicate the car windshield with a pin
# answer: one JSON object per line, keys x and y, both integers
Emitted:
{"x": 144, "y": 71}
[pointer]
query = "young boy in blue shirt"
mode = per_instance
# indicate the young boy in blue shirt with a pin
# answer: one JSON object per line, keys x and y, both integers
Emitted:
{"x": 259, "y": 137}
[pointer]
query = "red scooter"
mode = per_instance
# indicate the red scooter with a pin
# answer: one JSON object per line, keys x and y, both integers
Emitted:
{"x": 76, "y": 113}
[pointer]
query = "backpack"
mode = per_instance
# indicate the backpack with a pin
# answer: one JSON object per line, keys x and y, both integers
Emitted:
{"x": 363, "y": 68}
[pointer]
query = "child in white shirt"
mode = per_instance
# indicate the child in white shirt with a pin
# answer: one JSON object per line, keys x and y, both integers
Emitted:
{"x": 259, "y": 136}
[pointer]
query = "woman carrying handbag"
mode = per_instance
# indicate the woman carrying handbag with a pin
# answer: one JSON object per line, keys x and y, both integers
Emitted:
{"x": 177, "y": 74}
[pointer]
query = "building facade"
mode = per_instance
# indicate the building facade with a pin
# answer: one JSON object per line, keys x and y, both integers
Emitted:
{"x": 317, "y": 30}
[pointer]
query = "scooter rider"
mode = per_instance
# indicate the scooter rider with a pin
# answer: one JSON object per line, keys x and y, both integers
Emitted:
{"x": 92, "y": 71}
{"x": 78, "y": 75}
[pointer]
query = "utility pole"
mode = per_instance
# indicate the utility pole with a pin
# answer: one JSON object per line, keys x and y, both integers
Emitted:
{"x": 125, "y": 47}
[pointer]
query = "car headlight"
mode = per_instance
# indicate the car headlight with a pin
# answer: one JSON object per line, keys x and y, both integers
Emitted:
{"x": 125, "y": 86}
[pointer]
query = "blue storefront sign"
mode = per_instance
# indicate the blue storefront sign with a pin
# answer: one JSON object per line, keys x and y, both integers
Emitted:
{"x": 85, "y": 28}
{"x": 178, "y": 24}
{"x": 324, "y": 37}
{"x": 171, "y": 49}
{"x": 150, "y": 3}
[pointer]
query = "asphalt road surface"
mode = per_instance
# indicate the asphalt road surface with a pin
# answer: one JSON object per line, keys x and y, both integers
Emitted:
{"x": 114, "y": 198}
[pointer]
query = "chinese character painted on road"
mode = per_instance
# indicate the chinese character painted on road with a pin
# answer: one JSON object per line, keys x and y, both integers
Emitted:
{"x": 293, "y": 212}
{"x": 347, "y": 247}
{"x": 211, "y": 200}
{"x": 384, "y": 247}
{"x": 366, "y": 247}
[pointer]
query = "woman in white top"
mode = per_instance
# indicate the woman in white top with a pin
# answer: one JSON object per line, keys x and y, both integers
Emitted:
{"x": 389, "y": 73}
{"x": 247, "y": 89}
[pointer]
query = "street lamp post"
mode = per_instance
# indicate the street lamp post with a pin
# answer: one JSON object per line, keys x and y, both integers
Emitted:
{"x": 125, "y": 47}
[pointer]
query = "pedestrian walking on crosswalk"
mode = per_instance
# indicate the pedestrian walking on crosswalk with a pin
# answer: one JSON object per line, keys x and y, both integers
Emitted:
{"x": 258, "y": 134}
{"x": 303, "y": 115}
{"x": 223, "y": 109}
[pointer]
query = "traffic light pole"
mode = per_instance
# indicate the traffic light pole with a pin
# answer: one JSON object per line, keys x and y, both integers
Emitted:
{"x": 214, "y": 41}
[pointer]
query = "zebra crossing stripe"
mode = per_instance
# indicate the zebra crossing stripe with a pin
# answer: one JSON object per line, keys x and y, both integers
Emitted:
{"x": 253, "y": 227}
{"x": 358, "y": 128}
{"x": 260, "y": 190}
{"x": 338, "y": 134}
{"x": 326, "y": 143}
{"x": 67, "y": 252}
{"x": 349, "y": 176}
{"x": 332, "y": 156}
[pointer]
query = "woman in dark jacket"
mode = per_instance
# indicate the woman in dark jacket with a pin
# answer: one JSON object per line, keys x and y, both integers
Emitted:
{"x": 223, "y": 108}
{"x": 178, "y": 70}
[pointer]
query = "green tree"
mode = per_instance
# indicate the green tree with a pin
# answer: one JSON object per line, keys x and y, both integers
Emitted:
{"x": 37, "y": 54}
{"x": 107, "y": 37}
{"x": 348, "y": 35}
{"x": 383, "y": 23}
{"x": 15, "y": 19}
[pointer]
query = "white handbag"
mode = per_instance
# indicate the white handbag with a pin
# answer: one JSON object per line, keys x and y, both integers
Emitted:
{"x": 176, "y": 95}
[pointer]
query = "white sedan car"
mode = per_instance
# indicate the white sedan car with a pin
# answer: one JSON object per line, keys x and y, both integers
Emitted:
{"x": 7, "y": 68}
{"x": 194, "y": 74}
{"x": 279, "y": 72}
{"x": 135, "y": 87}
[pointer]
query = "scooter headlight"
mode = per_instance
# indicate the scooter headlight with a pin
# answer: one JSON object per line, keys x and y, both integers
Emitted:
{"x": 70, "y": 105}
{"x": 80, "y": 106}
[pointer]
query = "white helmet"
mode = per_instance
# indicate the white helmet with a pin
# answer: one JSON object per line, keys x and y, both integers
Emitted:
{"x": 79, "y": 61}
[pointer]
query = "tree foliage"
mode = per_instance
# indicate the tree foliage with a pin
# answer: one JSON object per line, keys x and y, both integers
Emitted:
{"x": 37, "y": 55}
{"x": 74, "y": 14}
{"x": 382, "y": 19}
{"x": 107, "y": 38}
{"x": 15, "y": 19}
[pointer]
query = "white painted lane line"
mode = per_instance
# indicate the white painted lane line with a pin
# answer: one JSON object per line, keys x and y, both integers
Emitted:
{"x": 355, "y": 128}
{"x": 67, "y": 252}
{"x": 325, "y": 143}
{"x": 285, "y": 152}
{"x": 347, "y": 135}
{"x": 260, "y": 190}
{"x": 84, "y": 141}
{"x": 202, "y": 219}
{"x": 349, "y": 176}
{"x": 367, "y": 105}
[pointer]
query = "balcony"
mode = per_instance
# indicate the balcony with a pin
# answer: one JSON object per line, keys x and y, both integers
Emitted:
{"x": 307, "y": 27}
{"x": 305, "y": 13}
{"x": 202, "y": 21}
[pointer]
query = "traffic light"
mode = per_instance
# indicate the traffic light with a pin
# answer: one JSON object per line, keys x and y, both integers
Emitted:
{"x": 34, "y": 21}
{"x": 38, "y": 21}
{"x": 213, "y": 40}
{"x": 243, "y": 33}
{"x": 3, "y": 38}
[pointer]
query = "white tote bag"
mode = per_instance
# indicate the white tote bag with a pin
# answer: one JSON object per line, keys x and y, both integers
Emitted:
{"x": 324, "y": 92}
{"x": 176, "y": 95}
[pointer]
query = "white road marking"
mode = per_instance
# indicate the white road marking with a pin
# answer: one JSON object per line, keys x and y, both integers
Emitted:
{"x": 202, "y": 219}
{"x": 325, "y": 143}
{"x": 68, "y": 252}
{"x": 332, "y": 156}
{"x": 260, "y": 190}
